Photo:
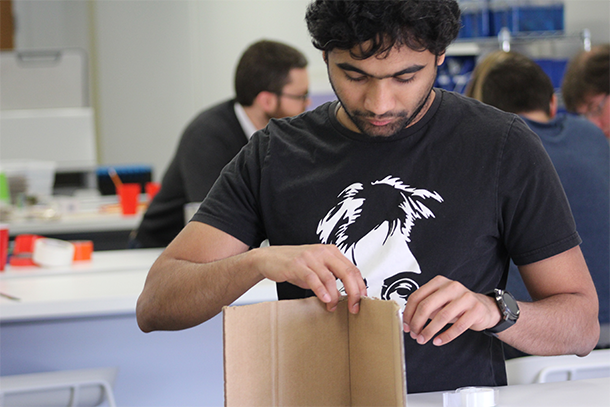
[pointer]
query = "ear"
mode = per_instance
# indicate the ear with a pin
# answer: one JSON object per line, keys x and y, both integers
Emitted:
{"x": 553, "y": 106}
{"x": 267, "y": 101}
{"x": 325, "y": 57}
{"x": 440, "y": 59}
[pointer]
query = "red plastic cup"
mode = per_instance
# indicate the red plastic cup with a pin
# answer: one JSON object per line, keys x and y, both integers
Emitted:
{"x": 151, "y": 189}
{"x": 128, "y": 197}
{"x": 3, "y": 245}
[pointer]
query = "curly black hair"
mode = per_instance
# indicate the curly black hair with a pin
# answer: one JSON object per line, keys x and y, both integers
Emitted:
{"x": 377, "y": 26}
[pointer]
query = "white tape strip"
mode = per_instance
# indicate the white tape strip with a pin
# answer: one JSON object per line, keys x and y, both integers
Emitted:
{"x": 52, "y": 252}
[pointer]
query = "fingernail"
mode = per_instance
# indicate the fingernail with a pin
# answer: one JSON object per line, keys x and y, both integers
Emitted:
{"x": 332, "y": 309}
{"x": 406, "y": 328}
{"x": 326, "y": 298}
{"x": 437, "y": 341}
{"x": 421, "y": 339}
{"x": 356, "y": 308}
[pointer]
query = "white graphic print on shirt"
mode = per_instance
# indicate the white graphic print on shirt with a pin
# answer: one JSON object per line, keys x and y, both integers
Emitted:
{"x": 371, "y": 224}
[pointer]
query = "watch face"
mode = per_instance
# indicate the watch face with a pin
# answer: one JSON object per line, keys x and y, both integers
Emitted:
{"x": 511, "y": 305}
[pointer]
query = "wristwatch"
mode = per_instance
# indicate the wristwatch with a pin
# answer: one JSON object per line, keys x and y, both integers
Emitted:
{"x": 508, "y": 308}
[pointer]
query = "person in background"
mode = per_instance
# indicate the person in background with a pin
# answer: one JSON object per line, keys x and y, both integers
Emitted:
{"x": 580, "y": 154}
{"x": 271, "y": 81}
{"x": 399, "y": 191}
{"x": 473, "y": 87}
{"x": 586, "y": 86}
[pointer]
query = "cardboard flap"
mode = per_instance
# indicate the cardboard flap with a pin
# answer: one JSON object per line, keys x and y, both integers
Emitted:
{"x": 377, "y": 363}
{"x": 296, "y": 353}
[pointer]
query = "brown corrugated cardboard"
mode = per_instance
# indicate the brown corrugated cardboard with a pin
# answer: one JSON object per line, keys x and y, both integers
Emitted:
{"x": 296, "y": 353}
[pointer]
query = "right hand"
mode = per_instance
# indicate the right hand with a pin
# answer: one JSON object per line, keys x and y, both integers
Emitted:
{"x": 315, "y": 267}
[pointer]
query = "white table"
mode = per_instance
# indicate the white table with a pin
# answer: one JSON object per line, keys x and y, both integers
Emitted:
{"x": 577, "y": 393}
{"x": 94, "y": 218}
{"x": 83, "y": 317}
{"x": 108, "y": 284}
{"x": 82, "y": 214}
{"x": 76, "y": 223}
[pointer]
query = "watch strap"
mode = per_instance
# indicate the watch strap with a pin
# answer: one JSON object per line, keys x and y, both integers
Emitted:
{"x": 506, "y": 321}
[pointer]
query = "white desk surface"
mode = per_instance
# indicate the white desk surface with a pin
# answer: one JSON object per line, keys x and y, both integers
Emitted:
{"x": 577, "y": 393}
{"x": 108, "y": 284}
{"x": 87, "y": 213}
{"x": 76, "y": 223}
{"x": 111, "y": 283}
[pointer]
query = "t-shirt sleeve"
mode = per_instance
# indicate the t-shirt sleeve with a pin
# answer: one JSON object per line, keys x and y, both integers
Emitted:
{"x": 534, "y": 211}
{"x": 232, "y": 203}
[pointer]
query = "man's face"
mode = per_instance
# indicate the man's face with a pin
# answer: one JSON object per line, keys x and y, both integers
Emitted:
{"x": 294, "y": 98}
{"x": 597, "y": 110}
{"x": 382, "y": 95}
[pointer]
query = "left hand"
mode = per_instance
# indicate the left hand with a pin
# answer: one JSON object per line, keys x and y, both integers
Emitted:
{"x": 444, "y": 301}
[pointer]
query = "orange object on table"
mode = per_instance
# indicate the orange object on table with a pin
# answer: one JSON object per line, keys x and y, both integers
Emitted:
{"x": 129, "y": 195}
{"x": 25, "y": 243}
{"x": 151, "y": 189}
{"x": 23, "y": 250}
{"x": 83, "y": 249}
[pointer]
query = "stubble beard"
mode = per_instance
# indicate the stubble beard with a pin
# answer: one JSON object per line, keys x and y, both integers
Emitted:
{"x": 359, "y": 118}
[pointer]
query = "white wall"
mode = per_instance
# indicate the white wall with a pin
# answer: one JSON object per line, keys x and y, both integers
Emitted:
{"x": 155, "y": 63}
{"x": 160, "y": 61}
{"x": 591, "y": 14}
{"x": 142, "y": 54}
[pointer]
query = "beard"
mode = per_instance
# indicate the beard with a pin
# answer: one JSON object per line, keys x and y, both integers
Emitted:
{"x": 280, "y": 112}
{"x": 401, "y": 120}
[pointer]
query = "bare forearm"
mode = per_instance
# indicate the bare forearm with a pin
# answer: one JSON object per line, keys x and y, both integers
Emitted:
{"x": 561, "y": 324}
{"x": 180, "y": 294}
{"x": 204, "y": 269}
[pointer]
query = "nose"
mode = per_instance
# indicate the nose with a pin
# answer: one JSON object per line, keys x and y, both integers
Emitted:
{"x": 379, "y": 98}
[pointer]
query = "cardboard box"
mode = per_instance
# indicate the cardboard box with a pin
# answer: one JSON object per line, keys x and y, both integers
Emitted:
{"x": 296, "y": 353}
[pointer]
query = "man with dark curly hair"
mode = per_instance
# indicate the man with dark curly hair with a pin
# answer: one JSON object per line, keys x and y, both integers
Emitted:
{"x": 398, "y": 191}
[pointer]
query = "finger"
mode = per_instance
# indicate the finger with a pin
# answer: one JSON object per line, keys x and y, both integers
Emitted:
{"x": 452, "y": 312}
{"x": 464, "y": 313}
{"x": 420, "y": 295}
{"x": 460, "y": 326}
{"x": 425, "y": 311}
{"x": 313, "y": 282}
{"x": 354, "y": 286}
{"x": 350, "y": 276}
{"x": 324, "y": 280}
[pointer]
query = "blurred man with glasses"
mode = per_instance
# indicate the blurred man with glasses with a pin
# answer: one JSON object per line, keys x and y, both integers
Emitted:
{"x": 271, "y": 81}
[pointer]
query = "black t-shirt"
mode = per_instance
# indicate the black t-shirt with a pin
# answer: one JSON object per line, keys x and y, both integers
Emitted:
{"x": 457, "y": 194}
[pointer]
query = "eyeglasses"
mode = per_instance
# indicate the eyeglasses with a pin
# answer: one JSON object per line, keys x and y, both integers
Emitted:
{"x": 302, "y": 98}
{"x": 597, "y": 109}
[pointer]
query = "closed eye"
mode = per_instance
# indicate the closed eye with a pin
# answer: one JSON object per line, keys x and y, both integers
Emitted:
{"x": 357, "y": 78}
{"x": 363, "y": 78}
{"x": 404, "y": 80}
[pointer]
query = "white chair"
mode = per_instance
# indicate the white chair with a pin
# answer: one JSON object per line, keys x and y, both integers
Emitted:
{"x": 544, "y": 369}
{"x": 67, "y": 388}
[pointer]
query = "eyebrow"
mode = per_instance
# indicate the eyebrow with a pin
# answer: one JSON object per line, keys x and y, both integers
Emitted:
{"x": 349, "y": 67}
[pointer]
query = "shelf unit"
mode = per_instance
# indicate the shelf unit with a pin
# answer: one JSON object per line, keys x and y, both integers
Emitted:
{"x": 506, "y": 40}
